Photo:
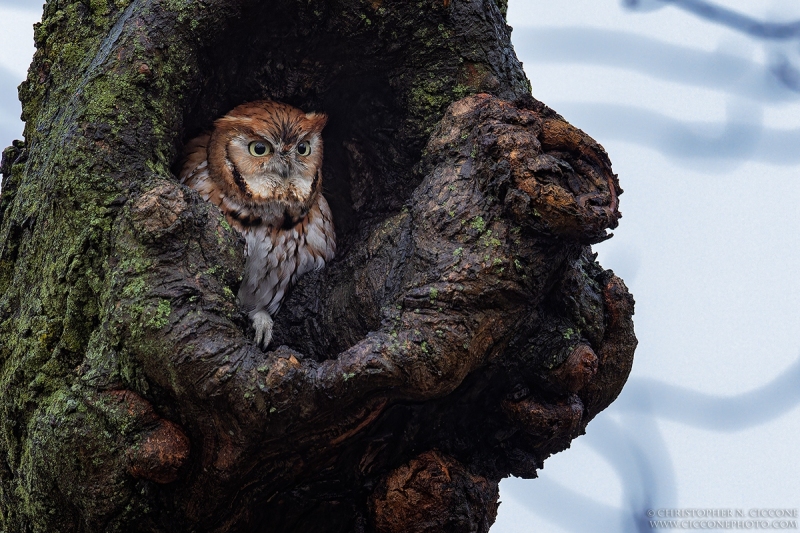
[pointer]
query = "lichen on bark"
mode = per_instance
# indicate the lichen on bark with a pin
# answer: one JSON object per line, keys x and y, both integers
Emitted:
{"x": 463, "y": 333}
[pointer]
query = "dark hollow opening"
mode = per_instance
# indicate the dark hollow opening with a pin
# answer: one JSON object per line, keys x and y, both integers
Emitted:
{"x": 296, "y": 54}
{"x": 290, "y": 53}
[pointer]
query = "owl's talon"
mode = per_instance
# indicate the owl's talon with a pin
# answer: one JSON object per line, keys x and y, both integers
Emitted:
{"x": 262, "y": 323}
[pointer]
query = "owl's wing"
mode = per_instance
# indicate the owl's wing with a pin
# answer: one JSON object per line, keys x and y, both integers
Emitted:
{"x": 195, "y": 159}
{"x": 195, "y": 172}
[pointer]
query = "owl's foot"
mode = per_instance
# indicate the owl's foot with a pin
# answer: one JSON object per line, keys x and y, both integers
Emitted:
{"x": 262, "y": 323}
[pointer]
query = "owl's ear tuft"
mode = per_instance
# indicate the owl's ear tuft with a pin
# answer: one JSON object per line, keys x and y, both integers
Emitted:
{"x": 227, "y": 121}
{"x": 318, "y": 120}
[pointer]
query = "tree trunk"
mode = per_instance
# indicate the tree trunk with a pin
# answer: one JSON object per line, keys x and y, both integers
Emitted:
{"x": 463, "y": 333}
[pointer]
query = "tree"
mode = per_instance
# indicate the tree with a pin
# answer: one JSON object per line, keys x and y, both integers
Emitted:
{"x": 464, "y": 332}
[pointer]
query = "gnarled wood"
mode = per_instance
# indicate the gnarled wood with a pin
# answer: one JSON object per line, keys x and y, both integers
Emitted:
{"x": 463, "y": 333}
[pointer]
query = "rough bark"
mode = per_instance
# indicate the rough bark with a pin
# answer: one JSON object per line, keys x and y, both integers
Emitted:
{"x": 463, "y": 334}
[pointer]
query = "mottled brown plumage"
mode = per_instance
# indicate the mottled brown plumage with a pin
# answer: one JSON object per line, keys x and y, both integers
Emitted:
{"x": 262, "y": 166}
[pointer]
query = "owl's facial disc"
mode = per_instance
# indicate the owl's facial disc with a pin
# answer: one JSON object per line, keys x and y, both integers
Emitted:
{"x": 275, "y": 169}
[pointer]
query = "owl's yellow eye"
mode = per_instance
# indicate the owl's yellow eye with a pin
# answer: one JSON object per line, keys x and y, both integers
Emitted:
{"x": 303, "y": 148}
{"x": 259, "y": 149}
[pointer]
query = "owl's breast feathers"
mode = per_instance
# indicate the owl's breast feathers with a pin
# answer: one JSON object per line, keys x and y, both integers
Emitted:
{"x": 276, "y": 257}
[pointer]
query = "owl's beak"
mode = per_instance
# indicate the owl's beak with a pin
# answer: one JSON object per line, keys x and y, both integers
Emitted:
{"x": 283, "y": 169}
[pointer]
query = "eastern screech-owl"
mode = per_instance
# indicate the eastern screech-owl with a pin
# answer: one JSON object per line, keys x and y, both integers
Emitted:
{"x": 262, "y": 166}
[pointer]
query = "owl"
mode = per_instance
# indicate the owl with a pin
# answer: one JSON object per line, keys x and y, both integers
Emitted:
{"x": 262, "y": 166}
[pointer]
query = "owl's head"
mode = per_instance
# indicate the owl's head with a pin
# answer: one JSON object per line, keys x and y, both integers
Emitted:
{"x": 270, "y": 155}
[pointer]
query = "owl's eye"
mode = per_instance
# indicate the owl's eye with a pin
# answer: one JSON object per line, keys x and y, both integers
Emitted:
{"x": 259, "y": 149}
{"x": 304, "y": 148}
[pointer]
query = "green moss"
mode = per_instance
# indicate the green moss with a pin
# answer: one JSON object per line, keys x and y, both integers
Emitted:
{"x": 488, "y": 239}
{"x": 159, "y": 317}
{"x": 99, "y": 9}
{"x": 110, "y": 93}
{"x": 135, "y": 288}
{"x": 460, "y": 91}
{"x": 435, "y": 87}
{"x": 478, "y": 223}
{"x": 134, "y": 262}
{"x": 72, "y": 52}
{"x": 427, "y": 96}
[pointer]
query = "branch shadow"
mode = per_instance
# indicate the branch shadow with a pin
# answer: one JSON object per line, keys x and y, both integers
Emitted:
{"x": 725, "y": 17}
{"x": 644, "y": 469}
{"x": 651, "y": 397}
{"x": 681, "y": 64}
{"x": 709, "y": 147}
{"x": 634, "y": 447}
{"x": 705, "y": 146}
{"x": 773, "y": 34}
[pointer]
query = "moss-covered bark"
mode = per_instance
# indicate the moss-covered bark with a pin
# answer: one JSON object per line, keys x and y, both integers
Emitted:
{"x": 463, "y": 333}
